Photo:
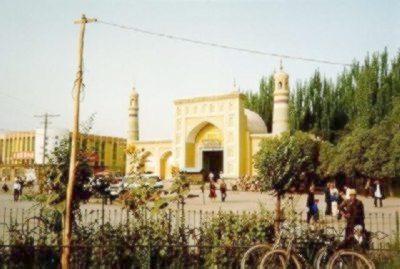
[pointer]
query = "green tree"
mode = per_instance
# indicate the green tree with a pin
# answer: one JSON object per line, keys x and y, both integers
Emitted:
{"x": 262, "y": 101}
{"x": 58, "y": 171}
{"x": 366, "y": 153}
{"x": 283, "y": 162}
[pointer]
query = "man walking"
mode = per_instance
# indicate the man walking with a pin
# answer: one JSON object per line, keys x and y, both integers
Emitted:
{"x": 378, "y": 193}
{"x": 353, "y": 211}
{"x": 328, "y": 210}
{"x": 312, "y": 206}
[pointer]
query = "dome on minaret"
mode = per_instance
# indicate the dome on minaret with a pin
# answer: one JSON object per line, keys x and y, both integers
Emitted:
{"x": 280, "y": 116}
{"x": 281, "y": 77}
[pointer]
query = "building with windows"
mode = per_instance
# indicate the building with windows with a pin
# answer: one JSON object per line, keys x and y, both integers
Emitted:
{"x": 211, "y": 133}
{"x": 107, "y": 152}
{"x": 17, "y": 153}
{"x": 23, "y": 150}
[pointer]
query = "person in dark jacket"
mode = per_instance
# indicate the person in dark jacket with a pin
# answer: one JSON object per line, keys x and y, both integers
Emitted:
{"x": 353, "y": 211}
{"x": 378, "y": 193}
{"x": 312, "y": 206}
{"x": 327, "y": 192}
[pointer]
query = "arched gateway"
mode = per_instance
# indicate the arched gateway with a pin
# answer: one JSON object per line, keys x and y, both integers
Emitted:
{"x": 205, "y": 148}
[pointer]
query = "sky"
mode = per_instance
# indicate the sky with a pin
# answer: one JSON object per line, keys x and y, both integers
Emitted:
{"x": 38, "y": 53}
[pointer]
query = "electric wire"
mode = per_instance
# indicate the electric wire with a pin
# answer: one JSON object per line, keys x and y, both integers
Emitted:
{"x": 217, "y": 45}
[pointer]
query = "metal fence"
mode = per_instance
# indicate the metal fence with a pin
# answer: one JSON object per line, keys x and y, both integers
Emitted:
{"x": 384, "y": 226}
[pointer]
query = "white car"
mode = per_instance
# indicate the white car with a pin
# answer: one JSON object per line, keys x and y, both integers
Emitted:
{"x": 117, "y": 188}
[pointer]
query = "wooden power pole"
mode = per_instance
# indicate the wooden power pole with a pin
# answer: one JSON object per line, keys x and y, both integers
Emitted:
{"x": 66, "y": 252}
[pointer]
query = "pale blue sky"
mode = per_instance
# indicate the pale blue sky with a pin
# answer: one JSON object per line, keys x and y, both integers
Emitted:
{"x": 39, "y": 42}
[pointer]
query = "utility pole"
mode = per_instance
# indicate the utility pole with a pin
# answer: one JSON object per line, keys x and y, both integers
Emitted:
{"x": 46, "y": 123}
{"x": 66, "y": 252}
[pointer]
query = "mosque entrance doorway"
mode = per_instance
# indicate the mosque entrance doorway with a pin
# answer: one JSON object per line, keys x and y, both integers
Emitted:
{"x": 213, "y": 162}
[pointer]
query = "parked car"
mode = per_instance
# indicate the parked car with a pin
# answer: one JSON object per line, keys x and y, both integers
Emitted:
{"x": 117, "y": 188}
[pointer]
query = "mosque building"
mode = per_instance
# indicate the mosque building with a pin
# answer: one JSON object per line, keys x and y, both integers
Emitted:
{"x": 211, "y": 133}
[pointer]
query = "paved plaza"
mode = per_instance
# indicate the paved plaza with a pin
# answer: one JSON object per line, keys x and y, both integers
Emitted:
{"x": 236, "y": 201}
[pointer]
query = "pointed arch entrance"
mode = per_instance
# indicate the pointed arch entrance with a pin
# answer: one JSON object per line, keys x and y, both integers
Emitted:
{"x": 204, "y": 148}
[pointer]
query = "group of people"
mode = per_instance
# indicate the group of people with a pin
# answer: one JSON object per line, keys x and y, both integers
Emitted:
{"x": 344, "y": 203}
{"x": 18, "y": 186}
{"x": 213, "y": 187}
{"x": 338, "y": 204}
{"x": 333, "y": 198}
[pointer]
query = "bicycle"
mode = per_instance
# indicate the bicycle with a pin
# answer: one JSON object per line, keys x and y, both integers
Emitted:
{"x": 346, "y": 258}
{"x": 253, "y": 253}
{"x": 279, "y": 256}
{"x": 331, "y": 258}
{"x": 291, "y": 257}
{"x": 330, "y": 244}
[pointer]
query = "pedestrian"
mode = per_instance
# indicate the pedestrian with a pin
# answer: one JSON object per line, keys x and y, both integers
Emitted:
{"x": 17, "y": 189}
{"x": 21, "y": 184}
{"x": 341, "y": 200}
{"x": 368, "y": 188}
{"x": 328, "y": 210}
{"x": 5, "y": 187}
{"x": 346, "y": 192}
{"x": 213, "y": 193}
{"x": 222, "y": 188}
{"x": 353, "y": 211}
{"x": 359, "y": 240}
{"x": 211, "y": 176}
{"x": 378, "y": 193}
{"x": 334, "y": 197}
{"x": 312, "y": 206}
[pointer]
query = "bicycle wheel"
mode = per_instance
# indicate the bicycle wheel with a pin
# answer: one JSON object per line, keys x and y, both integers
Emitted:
{"x": 346, "y": 259}
{"x": 321, "y": 258}
{"x": 279, "y": 259}
{"x": 252, "y": 256}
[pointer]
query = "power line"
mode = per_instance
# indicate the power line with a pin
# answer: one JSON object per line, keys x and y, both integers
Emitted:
{"x": 216, "y": 45}
{"x": 15, "y": 98}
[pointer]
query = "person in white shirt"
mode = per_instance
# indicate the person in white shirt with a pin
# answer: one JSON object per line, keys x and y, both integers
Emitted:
{"x": 334, "y": 196}
{"x": 378, "y": 193}
{"x": 346, "y": 192}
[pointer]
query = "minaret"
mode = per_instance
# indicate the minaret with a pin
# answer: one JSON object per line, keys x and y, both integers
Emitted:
{"x": 133, "y": 129}
{"x": 280, "y": 118}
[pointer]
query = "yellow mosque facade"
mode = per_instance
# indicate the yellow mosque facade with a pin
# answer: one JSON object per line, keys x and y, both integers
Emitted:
{"x": 212, "y": 133}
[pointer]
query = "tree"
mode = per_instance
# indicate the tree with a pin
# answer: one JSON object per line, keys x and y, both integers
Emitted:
{"x": 368, "y": 153}
{"x": 58, "y": 169}
{"x": 143, "y": 194}
{"x": 283, "y": 162}
{"x": 262, "y": 101}
{"x": 57, "y": 175}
